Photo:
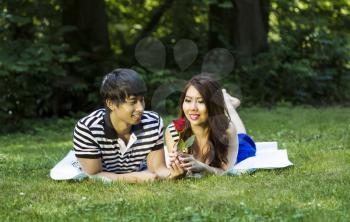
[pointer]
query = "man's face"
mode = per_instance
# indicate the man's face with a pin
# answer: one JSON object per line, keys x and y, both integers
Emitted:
{"x": 130, "y": 111}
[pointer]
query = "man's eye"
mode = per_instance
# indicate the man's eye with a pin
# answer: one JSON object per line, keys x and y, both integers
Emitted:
{"x": 132, "y": 102}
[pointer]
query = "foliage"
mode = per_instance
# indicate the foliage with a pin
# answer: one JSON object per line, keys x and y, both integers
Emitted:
{"x": 308, "y": 60}
{"x": 163, "y": 89}
{"x": 32, "y": 60}
{"x": 43, "y": 74}
{"x": 309, "y": 65}
{"x": 129, "y": 18}
{"x": 314, "y": 189}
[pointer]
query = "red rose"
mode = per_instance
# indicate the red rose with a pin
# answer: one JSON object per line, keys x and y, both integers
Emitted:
{"x": 179, "y": 124}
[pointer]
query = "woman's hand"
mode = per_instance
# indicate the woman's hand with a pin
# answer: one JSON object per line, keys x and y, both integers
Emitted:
{"x": 176, "y": 170}
{"x": 189, "y": 163}
{"x": 173, "y": 155}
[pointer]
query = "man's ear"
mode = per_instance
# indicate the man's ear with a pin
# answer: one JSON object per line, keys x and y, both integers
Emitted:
{"x": 110, "y": 104}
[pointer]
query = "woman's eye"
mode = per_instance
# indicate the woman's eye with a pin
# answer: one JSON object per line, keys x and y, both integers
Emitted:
{"x": 201, "y": 101}
{"x": 187, "y": 100}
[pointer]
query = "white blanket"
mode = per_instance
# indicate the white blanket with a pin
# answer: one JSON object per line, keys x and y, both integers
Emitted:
{"x": 67, "y": 169}
{"x": 268, "y": 156}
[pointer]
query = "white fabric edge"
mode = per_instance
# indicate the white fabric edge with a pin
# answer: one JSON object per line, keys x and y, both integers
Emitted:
{"x": 68, "y": 168}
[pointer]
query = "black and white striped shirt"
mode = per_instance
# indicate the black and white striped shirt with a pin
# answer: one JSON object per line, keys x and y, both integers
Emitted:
{"x": 95, "y": 137}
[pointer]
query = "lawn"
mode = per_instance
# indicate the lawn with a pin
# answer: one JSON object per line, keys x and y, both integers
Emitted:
{"x": 316, "y": 188}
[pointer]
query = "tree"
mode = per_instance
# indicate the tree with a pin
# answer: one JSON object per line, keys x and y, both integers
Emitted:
{"x": 148, "y": 28}
{"x": 241, "y": 25}
{"x": 89, "y": 19}
{"x": 87, "y": 35}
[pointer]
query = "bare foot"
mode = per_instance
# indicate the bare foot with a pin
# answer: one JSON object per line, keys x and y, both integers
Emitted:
{"x": 235, "y": 102}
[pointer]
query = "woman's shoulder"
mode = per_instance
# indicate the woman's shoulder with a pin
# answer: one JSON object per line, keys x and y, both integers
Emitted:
{"x": 171, "y": 129}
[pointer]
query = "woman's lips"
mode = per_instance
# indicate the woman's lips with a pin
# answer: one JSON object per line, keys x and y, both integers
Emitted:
{"x": 194, "y": 116}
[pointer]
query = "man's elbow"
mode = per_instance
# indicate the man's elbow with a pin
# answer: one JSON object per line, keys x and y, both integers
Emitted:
{"x": 91, "y": 171}
{"x": 90, "y": 166}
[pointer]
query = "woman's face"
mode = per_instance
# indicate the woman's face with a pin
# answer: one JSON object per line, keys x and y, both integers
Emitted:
{"x": 194, "y": 107}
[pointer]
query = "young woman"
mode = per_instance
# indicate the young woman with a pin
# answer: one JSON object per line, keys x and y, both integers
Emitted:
{"x": 220, "y": 139}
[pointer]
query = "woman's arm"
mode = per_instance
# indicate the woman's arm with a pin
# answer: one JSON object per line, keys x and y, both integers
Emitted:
{"x": 169, "y": 142}
{"x": 176, "y": 171}
{"x": 191, "y": 164}
{"x": 232, "y": 147}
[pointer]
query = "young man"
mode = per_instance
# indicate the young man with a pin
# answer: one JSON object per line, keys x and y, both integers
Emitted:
{"x": 122, "y": 141}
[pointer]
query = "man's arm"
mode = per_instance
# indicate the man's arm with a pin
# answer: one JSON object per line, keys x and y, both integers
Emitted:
{"x": 156, "y": 163}
{"x": 93, "y": 167}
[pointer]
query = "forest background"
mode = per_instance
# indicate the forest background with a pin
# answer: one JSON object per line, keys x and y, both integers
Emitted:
{"x": 54, "y": 53}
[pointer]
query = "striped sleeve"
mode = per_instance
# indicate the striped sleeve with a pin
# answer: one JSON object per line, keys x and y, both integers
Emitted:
{"x": 85, "y": 145}
{"x": 160, "y": 141}
{"x": 174, "y": 134}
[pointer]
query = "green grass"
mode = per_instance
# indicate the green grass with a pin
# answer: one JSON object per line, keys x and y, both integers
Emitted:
{"x": 315, "y": 189}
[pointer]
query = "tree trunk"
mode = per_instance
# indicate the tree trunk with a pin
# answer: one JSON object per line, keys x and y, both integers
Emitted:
{"x": 183, "y": 20}
{"x": 242, "y": 27}
{"x": 250, "y": 36}
{"x": 221, "y": 29}
{"x": 88, "y": 39}
{"x": 89, "y": 19}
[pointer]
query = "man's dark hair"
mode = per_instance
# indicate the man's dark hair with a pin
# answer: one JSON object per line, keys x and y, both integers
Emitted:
{"x": 121, "y": 83}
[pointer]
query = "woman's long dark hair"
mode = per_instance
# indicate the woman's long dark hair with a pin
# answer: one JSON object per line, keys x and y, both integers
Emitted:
{"x": 218, "y": 122}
